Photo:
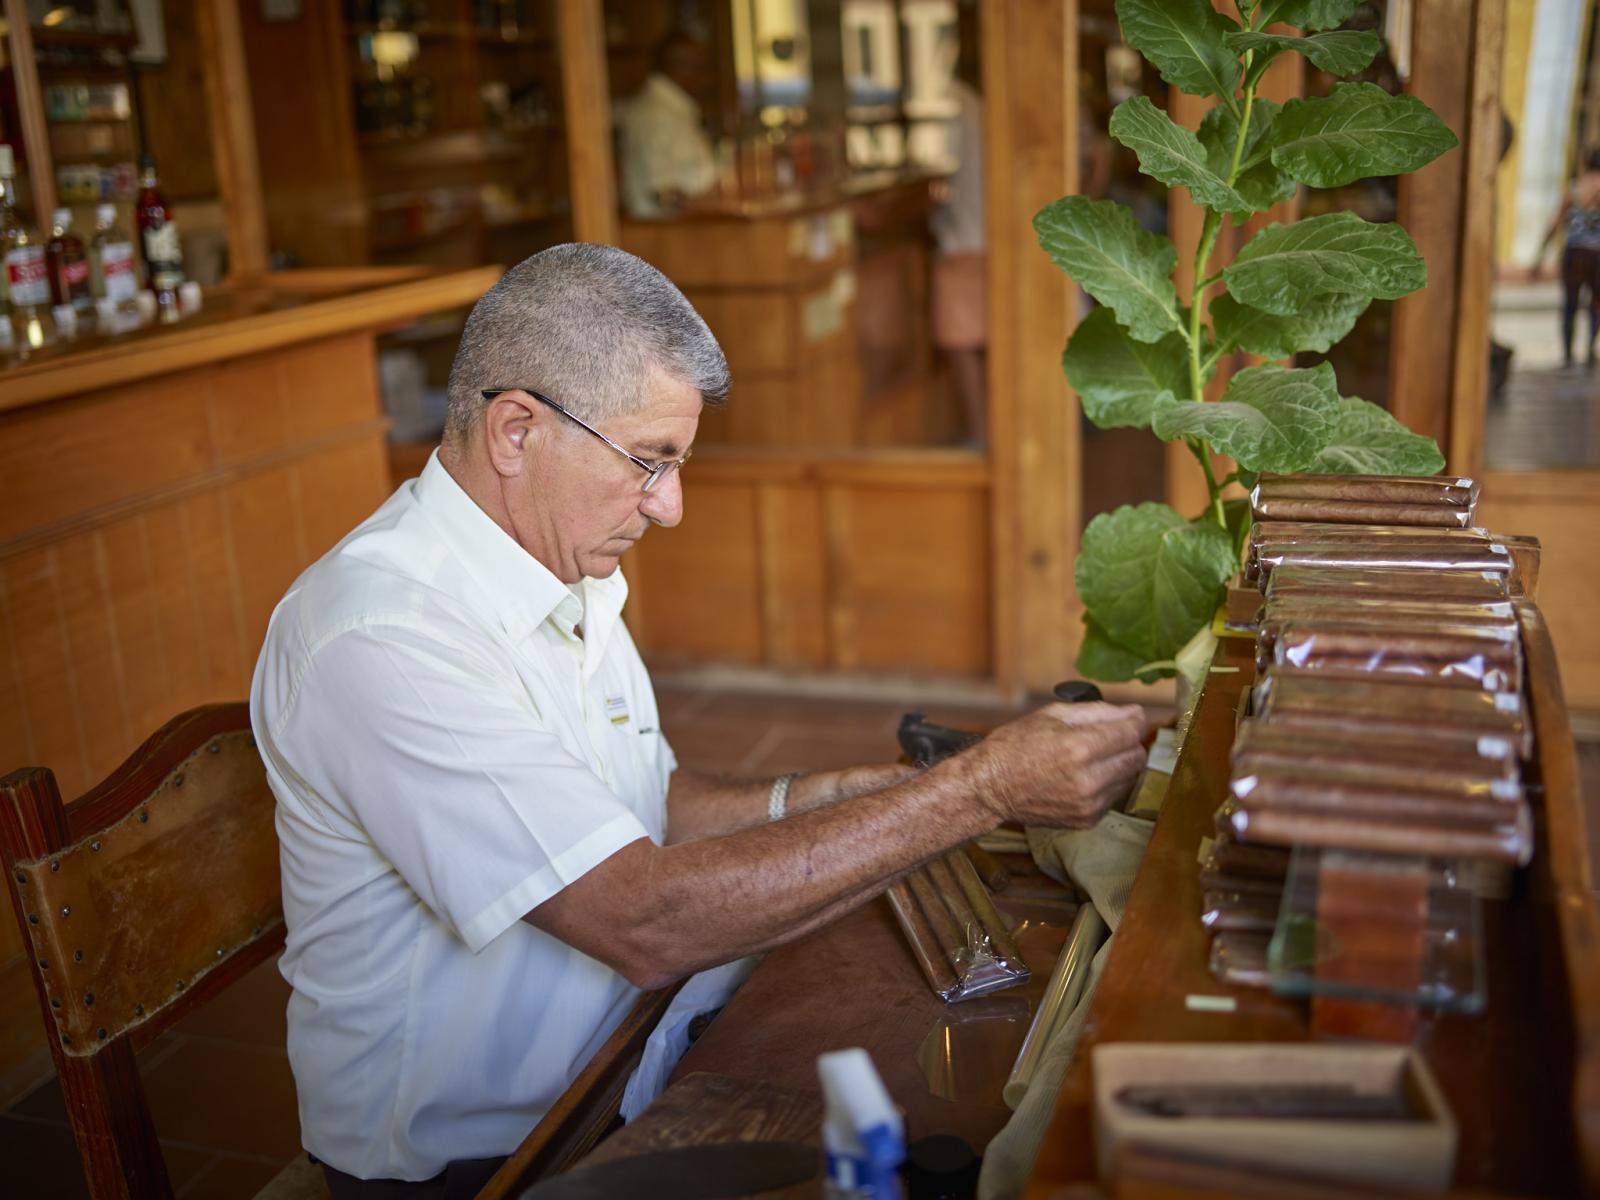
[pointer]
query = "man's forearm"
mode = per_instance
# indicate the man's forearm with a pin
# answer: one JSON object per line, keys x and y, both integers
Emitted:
{"x": 701, "y": 805}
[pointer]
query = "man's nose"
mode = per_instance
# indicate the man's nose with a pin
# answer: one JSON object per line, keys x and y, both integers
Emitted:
{"x": 663, "y": 504}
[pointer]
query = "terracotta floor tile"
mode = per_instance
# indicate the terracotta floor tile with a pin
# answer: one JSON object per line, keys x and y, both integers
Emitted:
{"x": 252, "y": 1010}
{"x": 228, "y": 1178}
{"x": 41, "y": 1160}
{"x": 228, "y": 1096}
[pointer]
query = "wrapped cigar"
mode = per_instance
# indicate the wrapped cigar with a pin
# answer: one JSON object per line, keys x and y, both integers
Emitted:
{"x": 1226, "y": 855}
{"x": 1467, "y": 777}
{"x": 1467, "y": 656}
{"x": 958, "y": 939}
{"x": 1288, "y": 791}
{"x": 1267, "y": 533}
{"x": 1469, "y": 556}
{"x": 952, "y": 937}
{"x": 1511, "y": 842}
{"x": 1386, "y": 584}
{"x": 1433, "y": 490}
{"x": 925, "y": 947}
{"x": 990, "y": 869}
{"x": 959, "y": 884}
{"x": 1241, "y": 958}
{"x": 1250, "y": 912}
{"x": 1393, "y": 611}
{"x": 1381, "y": 747}
{"x": 1353, "y": 512}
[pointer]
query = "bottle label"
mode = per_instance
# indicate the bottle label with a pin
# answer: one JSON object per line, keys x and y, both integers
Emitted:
{"x": 116, "y": 267}
{"x": 162, "y": 250}
{"x": 27, "y": 276}
{"x": 75, "y": 274}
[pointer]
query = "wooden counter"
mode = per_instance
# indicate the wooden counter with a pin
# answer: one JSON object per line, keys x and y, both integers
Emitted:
{"x": 1521, "y": 1078}
{"x": 158, "y": 494}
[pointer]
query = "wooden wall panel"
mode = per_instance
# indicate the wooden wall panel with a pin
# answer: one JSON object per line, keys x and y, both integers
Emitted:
{"x": 145, "y": 536}
{"x": 793, "y": 583}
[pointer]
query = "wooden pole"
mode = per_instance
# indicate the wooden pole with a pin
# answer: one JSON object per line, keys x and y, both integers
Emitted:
{"x": 30, "y": 113}
{"x": 586, "y": 92}
{"x": 233, "y": 136}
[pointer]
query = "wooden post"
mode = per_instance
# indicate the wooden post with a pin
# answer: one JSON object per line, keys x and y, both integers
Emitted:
{"x": 233, "y": 136}
{"x": 1425, "y": 332}
{"x": 1030, "y": 72}
{"x": 1469, "y": 386}
{"x": 587, "y": 98}
{"x": 30, "y": 113}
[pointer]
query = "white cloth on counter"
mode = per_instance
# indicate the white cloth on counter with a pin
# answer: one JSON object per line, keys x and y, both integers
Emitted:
{"x": 447, "y": 753}
{"x": 1102, "y": 862}
{"x": 702, "y": 993}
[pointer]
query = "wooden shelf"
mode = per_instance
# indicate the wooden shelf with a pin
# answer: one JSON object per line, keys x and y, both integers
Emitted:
{"x": 441, "y": 31}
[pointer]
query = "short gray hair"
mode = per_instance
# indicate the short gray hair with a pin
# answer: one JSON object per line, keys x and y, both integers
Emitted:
{"x": 583, "y": 324}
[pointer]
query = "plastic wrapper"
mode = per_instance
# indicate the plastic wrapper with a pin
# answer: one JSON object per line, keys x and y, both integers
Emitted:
{"x": 1386, "y": 584}
{"x": 1467, "y": 778}
{"x": 1384, "y": 555}
{"x": 960, "y": 941}
{"x": 1241, "y": 958}
{"x": 1386, "y": 755}
{"x": 1297, "y": 789}
{"x": 1508, "y": 842}
{"x": 1276, "y": 533}
{"x": 1356, "y": 512}
{"x": 1446, "y": 715}
{"x": 1433, "y": 490}
{"x": 1247, "y": 912}
{"x": 1455, "y": 655}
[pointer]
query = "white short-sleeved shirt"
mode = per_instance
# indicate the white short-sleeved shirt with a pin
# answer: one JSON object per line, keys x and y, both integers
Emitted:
{"x": 447, "y": 753}
{"x": 661, "y": 147}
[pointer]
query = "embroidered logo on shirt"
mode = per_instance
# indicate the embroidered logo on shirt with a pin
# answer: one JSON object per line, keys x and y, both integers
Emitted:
{"x": 617, "y": 709}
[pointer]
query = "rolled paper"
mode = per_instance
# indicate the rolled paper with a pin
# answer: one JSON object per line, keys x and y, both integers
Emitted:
{"x": 1450, "y": 491}
{"x": 925, "y": 945}
{"x": 993, "y": 924}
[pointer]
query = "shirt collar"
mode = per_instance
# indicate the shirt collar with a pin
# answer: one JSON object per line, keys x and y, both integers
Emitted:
{"x": 519, "y": 589}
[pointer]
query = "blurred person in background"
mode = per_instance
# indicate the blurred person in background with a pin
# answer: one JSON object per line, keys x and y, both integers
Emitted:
{"x": 665, "y": 156}
{"x": 1579, "y": 216}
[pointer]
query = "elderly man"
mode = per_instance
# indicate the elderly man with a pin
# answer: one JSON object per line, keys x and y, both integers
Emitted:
{"x": 487, "y": 845}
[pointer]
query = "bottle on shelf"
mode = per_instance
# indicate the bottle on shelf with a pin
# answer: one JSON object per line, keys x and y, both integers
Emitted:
{"x": 27, "y": 275}
{"x": 158, "y": 238}
{"x": 115, "y": 275}
{"x": 70, "y": 289}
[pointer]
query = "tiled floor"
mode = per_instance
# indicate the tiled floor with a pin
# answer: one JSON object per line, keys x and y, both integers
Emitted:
{"x": 219, "y": 1084}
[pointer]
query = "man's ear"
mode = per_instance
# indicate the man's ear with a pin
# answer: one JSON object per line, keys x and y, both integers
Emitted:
{"x": 510, "y": 429}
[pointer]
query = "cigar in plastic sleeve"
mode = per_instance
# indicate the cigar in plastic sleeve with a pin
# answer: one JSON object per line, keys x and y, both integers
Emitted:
{"x": 972, "y": 929}
{"x": 1386, "y": 584}
{"x": 1433, "y": 490}
{"x": 1278, "y": 533}
{"x": 1287, "y": 791}
{"x": 1442, "y": 775}
{"x": 1359, "y": 513}
{"x": 1380, "y": 747}
{"x": 1472, "y": 556}
{"x": 982, "y": 907}
{"x": 925, "y": 946}
{"x": 1241, "y": 958}
{"x": 1511, "y": 842}
{"x": 1250, "y": 912}
{"x": 990, "y": 869}
{"x": 951, "y": 939}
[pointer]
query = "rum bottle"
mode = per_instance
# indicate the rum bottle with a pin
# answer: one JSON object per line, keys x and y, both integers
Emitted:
{"x": 27, "y": 275}
{"x": 115, "y": 275}
{"x": 69, "y": 266}
{"x": 158, "y": 238}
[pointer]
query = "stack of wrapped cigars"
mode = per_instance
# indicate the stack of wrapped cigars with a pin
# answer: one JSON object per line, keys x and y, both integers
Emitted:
{"x": 1388, "y": 712}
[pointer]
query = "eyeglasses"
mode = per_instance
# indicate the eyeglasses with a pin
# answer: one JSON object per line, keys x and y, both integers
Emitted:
{"x": 654, "y": 472}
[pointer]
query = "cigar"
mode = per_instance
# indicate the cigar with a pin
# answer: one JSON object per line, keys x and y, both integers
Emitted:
{"x": 1485, "y": 556}
{"x": 1452, "y": 491}
{"x": 1354, "y": 512}
{"x": 1280, "y": 533}
{"x": 1393, "y": 611}
{"x": 925, "y": 947}
{"x": 955, "y": 899}
{"x": 1289, "y": 793}
{"x": 1241, "y": 958}
{"x": 990, "y": 869}
{"x": 1490, "y": 757}
{"x": 1247, "y": 911}
{"x": 1388, "y": 701}
{"x": 1258, "y": 862}
{"x": 1465, "y": 780}
{"x": 1467, "y": 673}
{"x": 1280, "y": 1101}
{"x": 994, "y": 925}
{"x": 1386, "y": 584}
{"x": 950, "y": 938}
{"x": 1508, "y": 843}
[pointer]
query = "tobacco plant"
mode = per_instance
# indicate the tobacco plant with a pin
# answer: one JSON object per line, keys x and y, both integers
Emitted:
{"x": 1149, "y": 577}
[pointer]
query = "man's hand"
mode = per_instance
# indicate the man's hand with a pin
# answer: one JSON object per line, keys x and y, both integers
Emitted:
{"x": 1061, "y": 766}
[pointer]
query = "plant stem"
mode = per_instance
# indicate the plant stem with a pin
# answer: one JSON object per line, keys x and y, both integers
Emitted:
{"x": 1209, "y": 229}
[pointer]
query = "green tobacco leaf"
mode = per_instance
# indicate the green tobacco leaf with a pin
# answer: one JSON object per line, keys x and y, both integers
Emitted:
{"x": 1260, "y": 184}
{"x": 1343, "y": 52}
{"x": 1271, "y": 418}
{"x": 1309, "y": 15}
{"x": 1183, "y": 38}
{"x": 1316, "y": 326}
{"x": 1102, "y": 657}
{"x": 1368, "y": 441}
{"x": 1117, "y": 378}
{"x": 1151, "y": 578}
{"x": 1357, "y": 131}
{"x": 1172, "y": 154}
{"x": 1285, "y": 266}
{"x": 1100, "y": 245}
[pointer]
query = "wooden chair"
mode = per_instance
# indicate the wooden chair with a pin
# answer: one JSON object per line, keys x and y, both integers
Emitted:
{"x": 141, "y": 901}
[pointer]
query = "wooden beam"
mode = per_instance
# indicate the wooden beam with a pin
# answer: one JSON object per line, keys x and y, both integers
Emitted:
{"x": 1425, "y": 330}
{"x": 233, "y": 136}
{"x": 30, "y": 113}
{"x": 1030, "y": 72}
{"x": 587, "y": 98}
